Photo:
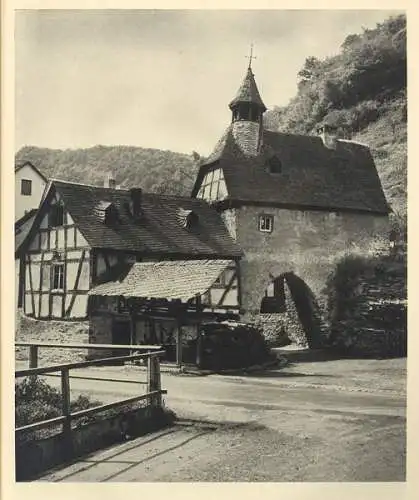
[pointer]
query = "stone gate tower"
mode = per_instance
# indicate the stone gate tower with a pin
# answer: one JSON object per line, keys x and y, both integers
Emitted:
{"x": 293, "y": 203}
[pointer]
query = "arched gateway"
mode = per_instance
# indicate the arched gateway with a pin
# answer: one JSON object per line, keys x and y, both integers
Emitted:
{"x": 290, "y": 303}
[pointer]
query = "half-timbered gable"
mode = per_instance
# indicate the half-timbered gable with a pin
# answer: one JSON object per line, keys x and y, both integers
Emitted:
{"x": 56, "y": 263}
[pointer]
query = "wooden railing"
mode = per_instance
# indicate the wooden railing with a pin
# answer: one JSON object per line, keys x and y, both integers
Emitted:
{"x": 153, "y": 393}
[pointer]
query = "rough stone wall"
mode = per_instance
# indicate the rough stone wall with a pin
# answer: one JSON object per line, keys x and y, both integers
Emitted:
{"x": 246, "y": 134}
{"x": 294, "y": 327}
{"x": 274, "y": 328}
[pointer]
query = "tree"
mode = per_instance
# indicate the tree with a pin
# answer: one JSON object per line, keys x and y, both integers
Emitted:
{"x": 310, "y": 69}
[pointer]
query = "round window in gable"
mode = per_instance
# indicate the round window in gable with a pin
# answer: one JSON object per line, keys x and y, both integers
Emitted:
{"x": 274, "y": 165}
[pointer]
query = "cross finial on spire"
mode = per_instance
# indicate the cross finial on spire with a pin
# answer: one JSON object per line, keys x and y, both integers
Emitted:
{"x": 251, "y": 56}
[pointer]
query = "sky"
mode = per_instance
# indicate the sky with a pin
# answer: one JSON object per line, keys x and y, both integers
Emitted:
{"x": 159, "y": 78}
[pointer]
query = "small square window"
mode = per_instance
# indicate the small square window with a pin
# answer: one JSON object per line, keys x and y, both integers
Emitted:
{"x": 26, "y": 187}
{"x": 266, "y": 223}
{"x": 57, "y": 277}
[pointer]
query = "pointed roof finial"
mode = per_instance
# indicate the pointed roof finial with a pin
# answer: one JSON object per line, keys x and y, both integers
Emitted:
{"x": 251, "y": 56}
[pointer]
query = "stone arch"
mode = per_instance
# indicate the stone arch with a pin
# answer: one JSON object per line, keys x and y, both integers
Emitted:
{"x": 290, "y": 303}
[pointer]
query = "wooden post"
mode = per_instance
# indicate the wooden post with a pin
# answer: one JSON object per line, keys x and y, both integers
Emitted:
{"x": 178, "y": 344}
{"x": 199, "y": 336}
{"x": 157, "y": 381}
{"x": 33, "y": 356}
{"x": 131, "y": 333}
{"x": 149, "y": 374}
{"x": 154, "y": 380}
{"x": 65, "y": 395}
{"x": 198, "y": 346}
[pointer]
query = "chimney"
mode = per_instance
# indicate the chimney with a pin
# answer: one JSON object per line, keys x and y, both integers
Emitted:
{"x": 328, "y": 135}
{"x": 136, "y": 196}
{"x": 110, "y": 182}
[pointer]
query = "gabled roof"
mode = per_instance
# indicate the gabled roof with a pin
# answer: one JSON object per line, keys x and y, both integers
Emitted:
{"x": 313, "y": 176}
{"x": 182, "y": 280}
{"x": 248, "y": 92}
{"x": 21, "y": 164}
{"x": 157, "y": 231}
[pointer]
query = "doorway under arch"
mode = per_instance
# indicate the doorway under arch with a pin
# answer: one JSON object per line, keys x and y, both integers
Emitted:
{"x": 289, "y": 295}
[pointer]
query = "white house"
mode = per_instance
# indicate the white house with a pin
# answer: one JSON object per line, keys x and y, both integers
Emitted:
{"x": 29, "y": 188}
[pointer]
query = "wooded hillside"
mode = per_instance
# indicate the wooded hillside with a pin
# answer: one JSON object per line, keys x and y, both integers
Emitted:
{"x": 361, "y": 90}
{"x": 152, "y": 169}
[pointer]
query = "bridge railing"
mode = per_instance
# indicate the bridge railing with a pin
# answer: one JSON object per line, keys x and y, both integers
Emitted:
{"x": 153, "y": 394}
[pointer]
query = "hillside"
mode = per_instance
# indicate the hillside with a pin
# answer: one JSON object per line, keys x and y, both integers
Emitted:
{"x": 361, "y": 91}
{"x": 152, "y": 169}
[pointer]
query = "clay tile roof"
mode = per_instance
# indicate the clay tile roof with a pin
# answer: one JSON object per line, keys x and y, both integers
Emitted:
{"x": 312, "y": 175}
{"x": 248, "y": 92}
{"x": 181, "y": 280}
{"x": 156, "y": 232}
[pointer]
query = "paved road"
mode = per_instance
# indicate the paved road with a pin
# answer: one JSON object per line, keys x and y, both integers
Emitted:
{"x": 296, "y": 426}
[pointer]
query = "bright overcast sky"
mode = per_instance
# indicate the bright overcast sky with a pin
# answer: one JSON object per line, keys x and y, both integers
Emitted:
{"x": 159, "y": 79}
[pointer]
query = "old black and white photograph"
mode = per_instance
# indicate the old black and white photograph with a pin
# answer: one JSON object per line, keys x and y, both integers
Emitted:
{"x": 210, "y": 246}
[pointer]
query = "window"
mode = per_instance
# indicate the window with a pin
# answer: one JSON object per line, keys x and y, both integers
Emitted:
{"x": 25, "y": 187}
{"x": 57, "y": 277}
{"x": 213, "y": 186}
{"x": 266, "y": 223}
{"x": 56, "y": 215}
{"x": 274, "y": 165}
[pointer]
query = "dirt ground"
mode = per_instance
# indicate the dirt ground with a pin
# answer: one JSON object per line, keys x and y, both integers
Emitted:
{"x": 252, "y": 452}
{"x": 345, "y": 423}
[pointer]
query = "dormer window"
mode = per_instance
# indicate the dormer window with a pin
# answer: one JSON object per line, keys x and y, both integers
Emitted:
{"x": 187, "y": 218}
{"x": 106, "y": 212}
{"x": 274, "y": 165}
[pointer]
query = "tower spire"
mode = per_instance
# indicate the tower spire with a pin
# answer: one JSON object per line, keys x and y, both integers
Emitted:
{"x": 247, "y": 111}
{"x": 251, "y": 56}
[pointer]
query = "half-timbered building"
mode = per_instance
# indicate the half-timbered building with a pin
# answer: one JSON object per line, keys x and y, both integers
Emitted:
{"x": 84, "y": 236}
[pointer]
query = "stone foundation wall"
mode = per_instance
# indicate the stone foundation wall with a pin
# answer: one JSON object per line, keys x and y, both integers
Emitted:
{"x": 274, "y": 328}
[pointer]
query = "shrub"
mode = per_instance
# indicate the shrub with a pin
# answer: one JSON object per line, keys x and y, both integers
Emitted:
{"x": 35, "y": 401}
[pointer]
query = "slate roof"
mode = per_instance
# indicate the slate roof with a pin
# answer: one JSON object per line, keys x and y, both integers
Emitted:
{"x": 170, "y": 280}
{"x": 248, "y": 92}
{"x": 157, "y": 231}
{"x": 344, "y": 178}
